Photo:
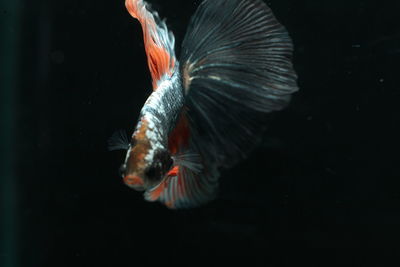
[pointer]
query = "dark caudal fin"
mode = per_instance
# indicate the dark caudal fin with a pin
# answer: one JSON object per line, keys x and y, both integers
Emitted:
{"x": 236, "y": 67}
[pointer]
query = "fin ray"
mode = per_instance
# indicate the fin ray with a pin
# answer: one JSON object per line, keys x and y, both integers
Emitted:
{"x": 159, "y": 42}
{"x": 118, "y": 141}
{"x": 233, "y": 75}
{"x": 185, "y": 186}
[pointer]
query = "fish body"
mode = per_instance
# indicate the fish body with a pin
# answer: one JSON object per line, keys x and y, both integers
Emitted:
{"x": 207, "y": 111}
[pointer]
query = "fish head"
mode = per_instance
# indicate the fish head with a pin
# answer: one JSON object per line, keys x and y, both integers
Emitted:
{"x": 147, "y": 161}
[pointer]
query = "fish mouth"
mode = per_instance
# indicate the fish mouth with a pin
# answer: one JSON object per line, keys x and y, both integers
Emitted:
{"x": 134, "y": 182}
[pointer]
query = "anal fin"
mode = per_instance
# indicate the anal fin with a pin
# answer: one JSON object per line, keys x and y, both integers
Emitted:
{"x": 185, "y": 186}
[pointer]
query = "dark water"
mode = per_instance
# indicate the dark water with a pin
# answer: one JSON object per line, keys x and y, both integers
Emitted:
{"x": 326, "y": 176}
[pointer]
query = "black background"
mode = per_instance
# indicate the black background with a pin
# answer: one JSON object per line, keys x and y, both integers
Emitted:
{"x": 326, "y": 175}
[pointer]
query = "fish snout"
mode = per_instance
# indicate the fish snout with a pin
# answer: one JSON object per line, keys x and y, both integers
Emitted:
{"x": 134, "y": 182}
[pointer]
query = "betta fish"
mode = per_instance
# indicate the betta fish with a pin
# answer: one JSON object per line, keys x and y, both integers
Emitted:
{"x": 207, "y": 110}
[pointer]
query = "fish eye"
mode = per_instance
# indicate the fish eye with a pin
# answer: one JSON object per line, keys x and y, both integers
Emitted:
{"x": 152, "y": 173}
{"x": 122, "y": 170}
{"x": 161, "y": 164}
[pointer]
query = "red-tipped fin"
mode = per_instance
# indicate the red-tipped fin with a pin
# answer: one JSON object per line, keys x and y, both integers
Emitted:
{"x": 187, "y": 185}
{"x": 159, "y": 42}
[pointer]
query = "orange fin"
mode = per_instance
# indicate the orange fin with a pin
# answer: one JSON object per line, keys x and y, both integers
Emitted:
{"x": 159, "y": 42}
{"x": 187, "y": 185}
{"x": 156, "y": 192}
{"x": 179, "y": 137}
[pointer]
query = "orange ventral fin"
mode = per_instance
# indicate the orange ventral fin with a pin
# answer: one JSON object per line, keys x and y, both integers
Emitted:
{"x": 158, "y": 41}
{"x": 161, "y": 190}
{"x": 186, "y": 185}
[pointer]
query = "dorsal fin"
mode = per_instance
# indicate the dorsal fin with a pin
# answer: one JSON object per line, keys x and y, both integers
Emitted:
{"x": 158, "y": 41}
